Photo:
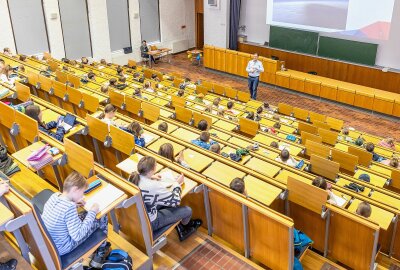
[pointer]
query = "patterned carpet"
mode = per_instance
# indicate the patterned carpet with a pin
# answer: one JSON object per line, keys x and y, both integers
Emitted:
{"x": 366, "y": 121}
{"x": 208, "y": 256}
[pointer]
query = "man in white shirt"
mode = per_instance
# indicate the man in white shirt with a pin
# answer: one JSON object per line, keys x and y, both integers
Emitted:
{"x": 254, "y": 68}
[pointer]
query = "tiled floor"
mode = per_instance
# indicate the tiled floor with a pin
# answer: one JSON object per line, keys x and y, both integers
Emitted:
{"x": 209, "y": 256}
{"x": 361, "y": 120}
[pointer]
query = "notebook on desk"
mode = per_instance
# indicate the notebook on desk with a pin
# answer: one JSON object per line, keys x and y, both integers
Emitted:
{"x": 104, "y": 197}
{"x": 147, "y": 137}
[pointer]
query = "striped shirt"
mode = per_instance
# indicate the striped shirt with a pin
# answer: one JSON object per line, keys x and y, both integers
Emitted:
{"x": 60, "y": 216}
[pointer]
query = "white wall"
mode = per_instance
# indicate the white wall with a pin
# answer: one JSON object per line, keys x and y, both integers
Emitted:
{"x": 254, "y": 14}
{"x": 6, "y": 36}
{"x": 216, "y": 24}
{"x": 173, "y": 15}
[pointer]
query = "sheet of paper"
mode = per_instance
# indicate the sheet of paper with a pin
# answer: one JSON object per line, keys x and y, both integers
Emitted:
{"x": 147, "y": 137}
{"x": 340, "y": 201}
{"x": 103, "y": 197}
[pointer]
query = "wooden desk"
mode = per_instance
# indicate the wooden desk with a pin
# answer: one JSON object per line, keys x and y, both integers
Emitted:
{"x": 185, "y": 135}
{"x": 222, "y": 173}
{"x": 159, "y": 101}
{"x": 224, "y": 125}
{"x": 386, "y": 199}
{"x": 171, "y": 127}
{"x": 342, "y": 147}
{"x": 196, "y": 161}
{"x": 264, "y": 139}
{"x": 221, "y": 135}
{"x": 24, "y": 153}
{"x": 261, "y": 191}
{"x": 155, "y": 146}
{"x": 376, "y": 180}
{"x": 378, "y": 215}
{"x": 187, "y": 186}
{"x": 228, "y": 150}
{"x": 115, "y": 201}
{"x": 263, "y": 167}
{"x": 284, "y": 174}
{"x": 5, "y": 215}
{"x": 381, "y": 169}
{"x": 49, "y": 115}
{"x": 129, "y": 165}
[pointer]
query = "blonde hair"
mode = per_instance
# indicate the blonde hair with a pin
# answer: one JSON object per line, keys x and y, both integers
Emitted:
{"x": 74, "y": 179}
{"x": 364, "y": 209}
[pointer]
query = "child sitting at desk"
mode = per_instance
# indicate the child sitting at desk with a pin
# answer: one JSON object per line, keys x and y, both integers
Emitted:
{"x": 121, "y": 85}
{"x": 199, "y": 98}
{"x": 180, "y": 93}
{"x": 163, "y": 126}
{"x": 204, "y": 140}
{"x": 216, "y": 148}
{"x": 229, "y": 108}
{"x": 202, "y": 125}
{"x": 387, "y": 143}
{"x": 370, "y": 148}
{"x": 237, "y": 185}
{"x": 91, "y": 76}
{"x": 162, "y": 199}
{"x": 394, "y": 162}
{"x": 7, "y": 51}
{"x": 67, "y": 228}
{"x": 167, "y": 150}
{"x": 8, "y": 75}
{"x": 10, "y": 264}
{"x": 34, "y": 112}
{"x": 108, "y": 115}
{"x": 364, "y": 209}
{"x": 321, "y": 183}
{"x": 136, "y": 130}
{"x": 147, "y": 87}
{"x": 112, "y": 82}
{"x": 286, "y": 158}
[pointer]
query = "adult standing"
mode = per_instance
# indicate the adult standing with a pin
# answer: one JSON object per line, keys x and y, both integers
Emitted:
{"x": 254, "y": 68}
{"x": 144, "y": 51}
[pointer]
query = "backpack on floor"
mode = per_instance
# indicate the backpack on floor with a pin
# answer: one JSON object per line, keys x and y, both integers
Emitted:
{"x": 117, "y": 260}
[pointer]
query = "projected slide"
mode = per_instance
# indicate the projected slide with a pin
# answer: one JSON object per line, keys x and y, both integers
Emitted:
{"x": 368, "y": 19}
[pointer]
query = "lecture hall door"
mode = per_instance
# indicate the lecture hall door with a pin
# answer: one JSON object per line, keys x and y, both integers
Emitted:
{"x": 199, "y": 15}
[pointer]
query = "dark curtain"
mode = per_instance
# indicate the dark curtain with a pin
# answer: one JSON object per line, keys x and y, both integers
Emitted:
{"x": 234, "y": 23}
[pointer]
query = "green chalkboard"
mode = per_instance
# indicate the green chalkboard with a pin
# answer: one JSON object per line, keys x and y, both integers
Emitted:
{"x": 348, "y": 50}
{"x": 293, "y": 39}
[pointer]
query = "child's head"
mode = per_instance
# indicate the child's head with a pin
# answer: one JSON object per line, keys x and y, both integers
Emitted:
{"x": 167, "y": 150}
{"x": 146, "y": 167}
{"x": 204, "y": 136}
{"x": 364, "y": 177}
{"x": 260, "y": 110}
{"x": 237, "y": 185}
{"x": 138, "y": 92}
{"x": 109, "y": 111}
{"x": 6, "y": 50}
{"x": 284, "y": 155}
{"x": 135, "y": 129}
{"x": 370, "y": 147}
{"x": 274, "y": 144}
{"x": 277, "y": 125}
{"x": 364, "y": 209}
{"x": 320, "y": 182}
{"x": 119, "y": 71}
{"x": 229, "y": 105}
{"x": 216, "y": 101}
{"x": 180, "y": 93}
{"x": 153, "y": 76}
{"x": 91, "y": 75}
{"x": 163, "y": 126}
{"x": 74, "y": 186}
{"x": 103, "y": 61}
{"x": 113, "y": 81}
{"x": 276, "y": 117}
{"x": 147, "y": 85}
{"x": 250, "y": 116}
{"x": 220, "y": 112}
{"x": 84, "y": 60}
{"x": 390, "y": 141}
{"x": 394, "y": 162}
{"x": 21, "y": 68}
{"x": 202, "y": 125}
{"x": 216, "y": 148}
{"x": 346, "y": 131}
{"x": 122, "y": 79}
{"x": 34, "y": 112}
{"x": 104, "y": 89}
{"x": 22, "y": 58}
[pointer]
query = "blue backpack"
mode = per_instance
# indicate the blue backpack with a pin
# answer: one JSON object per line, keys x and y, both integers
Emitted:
{"x": 117, "y": 260}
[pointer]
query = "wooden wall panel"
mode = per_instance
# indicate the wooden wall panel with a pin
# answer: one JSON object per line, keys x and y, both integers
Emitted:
{"x": 209, "y": 56}
{"x": 219, "y": 59}
{"x": 347, "y": 72}
{"x": 242, "y": 60}
{"x": 231, "y": 61}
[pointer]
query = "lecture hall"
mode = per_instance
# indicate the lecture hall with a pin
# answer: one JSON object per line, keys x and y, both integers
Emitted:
{"x": 199, "y": 134}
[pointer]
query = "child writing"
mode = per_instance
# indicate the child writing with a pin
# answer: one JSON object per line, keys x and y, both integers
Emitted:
{"x": 286, "y": 158}
{"x": 162, "y": 199}
{"x": 167, "y": 150}
{"x": 64, "y": 224}
{"x": 137, "y": 131}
